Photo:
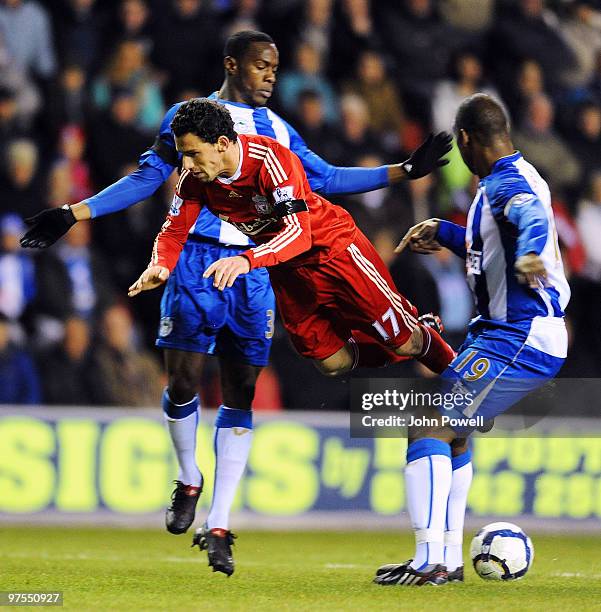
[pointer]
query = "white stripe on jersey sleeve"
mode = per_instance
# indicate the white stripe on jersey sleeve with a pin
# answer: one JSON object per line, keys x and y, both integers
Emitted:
{"x": 279, "y": 127}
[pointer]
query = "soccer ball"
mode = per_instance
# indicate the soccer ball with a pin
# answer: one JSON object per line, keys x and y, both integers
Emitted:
{"x": 501, "y": 551}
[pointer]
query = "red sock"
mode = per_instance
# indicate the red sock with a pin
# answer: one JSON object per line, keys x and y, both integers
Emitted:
{"x": 436, "y": 353}
{"x": 369, "y": 353}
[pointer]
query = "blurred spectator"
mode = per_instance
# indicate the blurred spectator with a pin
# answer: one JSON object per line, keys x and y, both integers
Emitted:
{"x": 17, "y": 275}
{"x": 543, "y": 147}
{"x": 420, "y": 199}
{"x": 70, "y": 100}
{"x": 70, "y": 175}
{"x": 89, "y": 288}
{"x": 526, "y": 30}
{"x": 357, "y": 139}
{"x": 570, "y": 243}
{"x": 306, "y": 74}
{"x": 132, "y": 377}
{"x": 67, "y": 369}
{"x": 320, "y": 136}
{"x": 134, "y": 22}
{"x": 454, "y": 296}
{"x": 188, "y": 47}
{"x": 594, "y": 86}
{"x": 465, "y": 78}
{"x": 386, "y": 115}
{"x": 413, "y": 280}
{"x": 421, "y": 43}
{"x": 474, "y": 16}
{"x": 589, "y": 224}
{"x": 355, "y": 32}
{"x": 316, "y": 26}
{"x": 243, "y": 15}
{"x": 25, "y": 27}
{"x": 19, "y": 382}
{"x": 10, "y": 123}
{"x": 128, "y": 69}
{"x": 22, "y": 187}
{"x": 80, "y": 27}
{"x": 582, "y": 32}
{"x": 116, "y": 139}
{"x": 529, "y": 82}
{"x": 382, "y": 208}
{"x": 15, "y": 84}
{"x": 585, "y": 139}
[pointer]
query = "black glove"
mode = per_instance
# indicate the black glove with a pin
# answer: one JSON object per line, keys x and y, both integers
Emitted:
{"x": 47, "y": 227}
{"x": 427, "y": 156}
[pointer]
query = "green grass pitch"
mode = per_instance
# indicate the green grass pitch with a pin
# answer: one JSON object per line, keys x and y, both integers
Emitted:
{"x": 122, "y": 569}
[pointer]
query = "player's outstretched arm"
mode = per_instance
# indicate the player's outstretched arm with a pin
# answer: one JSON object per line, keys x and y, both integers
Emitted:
{"x": 329, "y": 179}
{"x": 151, "y": 278}
{"x": 155, "y": 167}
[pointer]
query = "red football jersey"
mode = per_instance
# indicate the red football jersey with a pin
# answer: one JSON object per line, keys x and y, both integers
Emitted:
{"x": 268, "y": 174}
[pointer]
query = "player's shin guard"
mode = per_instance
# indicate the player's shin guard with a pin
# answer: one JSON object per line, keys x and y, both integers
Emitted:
{"x": 436, "y": 353}
{"x": 460, "y": 486}
{"x": 428, "y": 481}
{"x": 233, "y": 438}
{"x": 182, "y": 421}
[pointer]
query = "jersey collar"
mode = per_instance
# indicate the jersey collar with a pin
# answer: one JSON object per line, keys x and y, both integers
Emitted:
{"x": 215, "y": 96}
{"x": 505, "y": 161}
{"x": 236, "y": 175}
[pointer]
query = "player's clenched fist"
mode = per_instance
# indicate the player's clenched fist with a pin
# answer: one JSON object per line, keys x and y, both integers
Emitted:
{"x": 151, "y": 278}
{"x": 421, "y": 238}
{"x": 227, "y": 270}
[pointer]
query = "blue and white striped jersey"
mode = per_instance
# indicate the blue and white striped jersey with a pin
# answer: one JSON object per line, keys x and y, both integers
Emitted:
{"x": 510, "y": 216}
{"x": 263, "y": 121}
{"x": 493, "y": 245}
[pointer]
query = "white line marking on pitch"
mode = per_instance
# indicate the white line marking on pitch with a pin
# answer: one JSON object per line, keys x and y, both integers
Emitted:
{"x": 575, "y": 575}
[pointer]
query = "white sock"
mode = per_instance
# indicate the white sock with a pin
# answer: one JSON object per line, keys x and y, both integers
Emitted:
{"x": 183, "y": 435}
{"x": 428, "y": 481}
{"x": 233, "y": 439}
{"x": 460, "y": 486}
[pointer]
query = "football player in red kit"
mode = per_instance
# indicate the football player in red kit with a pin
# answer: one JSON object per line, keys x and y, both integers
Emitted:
{"x": 335, "y": 296}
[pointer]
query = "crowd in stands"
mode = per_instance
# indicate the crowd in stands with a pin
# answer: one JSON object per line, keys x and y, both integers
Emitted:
{"x": 84, "y": 85}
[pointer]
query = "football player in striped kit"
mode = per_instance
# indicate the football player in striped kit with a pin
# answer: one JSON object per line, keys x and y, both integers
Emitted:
{"x": 197, "y": 320}
{"x": 516, "y": 343}
{"x": 336, "y": 298}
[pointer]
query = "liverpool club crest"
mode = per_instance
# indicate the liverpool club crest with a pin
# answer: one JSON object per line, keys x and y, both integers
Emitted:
{"x": 262, "y": 204}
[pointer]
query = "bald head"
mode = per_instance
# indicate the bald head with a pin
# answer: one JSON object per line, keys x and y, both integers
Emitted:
{"x": 483, "y": 118}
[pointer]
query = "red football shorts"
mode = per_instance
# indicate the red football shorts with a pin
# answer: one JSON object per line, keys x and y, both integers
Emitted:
{"x": 320, "y": 304}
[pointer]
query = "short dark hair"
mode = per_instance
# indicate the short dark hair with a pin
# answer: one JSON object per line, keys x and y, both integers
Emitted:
{"x": 483, "y": 118}
{"x": 205, "y": 118}
{"x": 237, "y": 44}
